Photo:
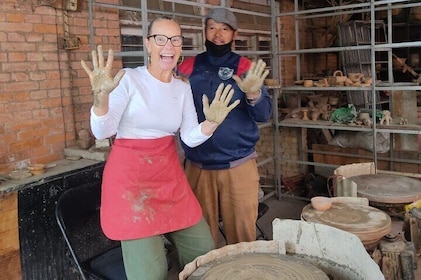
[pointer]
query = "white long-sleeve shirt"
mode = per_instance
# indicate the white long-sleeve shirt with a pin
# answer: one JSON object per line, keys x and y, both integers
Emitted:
{"x": 142, "y": 107}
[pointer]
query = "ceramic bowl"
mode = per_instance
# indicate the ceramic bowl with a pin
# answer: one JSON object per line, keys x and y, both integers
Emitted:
{"x": 321, "y": 203}
{"x": 37, "y": 169}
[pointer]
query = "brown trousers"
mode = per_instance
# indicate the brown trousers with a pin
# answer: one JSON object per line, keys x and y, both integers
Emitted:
{"x": 231, "y": 194}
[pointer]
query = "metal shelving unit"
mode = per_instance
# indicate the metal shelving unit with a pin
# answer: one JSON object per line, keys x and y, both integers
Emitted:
{"x": 322, "y": 9}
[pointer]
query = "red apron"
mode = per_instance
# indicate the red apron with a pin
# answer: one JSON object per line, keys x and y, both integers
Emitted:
{"x": 145, "y": 191}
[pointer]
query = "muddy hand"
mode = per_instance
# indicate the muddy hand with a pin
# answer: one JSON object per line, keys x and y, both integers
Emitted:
{"x": 218, "y": 110}
{"x": 254, "y": 78}
{"x": 100, "y": 76}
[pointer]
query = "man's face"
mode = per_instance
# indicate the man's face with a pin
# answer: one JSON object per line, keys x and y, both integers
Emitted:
{"x": 219, "y": 33}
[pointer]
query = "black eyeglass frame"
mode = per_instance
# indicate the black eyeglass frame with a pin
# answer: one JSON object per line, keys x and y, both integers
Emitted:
{"x": 168, "y": 38}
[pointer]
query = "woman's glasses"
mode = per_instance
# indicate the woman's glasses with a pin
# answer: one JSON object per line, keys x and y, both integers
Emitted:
{"x": 161, "y": 40}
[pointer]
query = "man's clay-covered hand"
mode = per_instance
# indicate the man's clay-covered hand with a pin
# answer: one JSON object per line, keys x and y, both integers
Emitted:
{"x": 254, "y": 79}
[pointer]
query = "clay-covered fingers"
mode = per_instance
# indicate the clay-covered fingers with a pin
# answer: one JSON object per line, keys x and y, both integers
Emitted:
{"x": 227, "y": 95}
{"x": 224, "y": 94}
{"x": 219, "y": 109}
{"x": 100, "y": 76}
{"x": 86, "y": 68}
{"x": 118, "y": 77}
{"x": 110, "y": 59}
{"x": 100, "y": 57}
{"x": 260, "y": 69}
{"x": 95, "y": 62}
{"x": 254, "y": 78}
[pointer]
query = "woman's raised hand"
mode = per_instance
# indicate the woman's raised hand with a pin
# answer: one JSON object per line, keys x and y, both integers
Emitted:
{"x": 100, "y": 77}
{"x": 218, "y": 110}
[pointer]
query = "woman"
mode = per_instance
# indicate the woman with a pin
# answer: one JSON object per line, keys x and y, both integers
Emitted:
{"x": 144, "y": 192}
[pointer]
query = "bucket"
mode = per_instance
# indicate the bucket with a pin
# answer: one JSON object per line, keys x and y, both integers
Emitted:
{"x": 341, "y": 186}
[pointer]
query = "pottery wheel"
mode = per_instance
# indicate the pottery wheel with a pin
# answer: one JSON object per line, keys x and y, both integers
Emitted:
{"x": 258, "y": 266}
{"x": 388, "y": 189}
{"x": 368, "y": 223}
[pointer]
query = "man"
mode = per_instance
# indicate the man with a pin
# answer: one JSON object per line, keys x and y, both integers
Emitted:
{"x": 222, "y": 171}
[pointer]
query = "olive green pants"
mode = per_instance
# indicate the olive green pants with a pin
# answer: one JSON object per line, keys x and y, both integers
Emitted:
{"x": 145, "y": 259}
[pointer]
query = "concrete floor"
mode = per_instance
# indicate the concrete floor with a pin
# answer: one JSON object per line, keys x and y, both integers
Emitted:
{"x": 290, "y": 208}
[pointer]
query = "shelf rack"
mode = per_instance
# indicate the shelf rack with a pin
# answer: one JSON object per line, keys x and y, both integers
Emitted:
{"x": 321, "y": 9}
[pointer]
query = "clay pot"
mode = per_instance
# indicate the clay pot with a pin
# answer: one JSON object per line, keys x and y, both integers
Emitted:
{"x": 315, "y": 114}
{"x": 348, "y": 82}
{"x": 305, "y": 114}
{"x": 315, "y": 98}
{"x": 323, "y": 100}
{"x": 368, "y": 81}
{"x": 323, "y": 107}
{"x": 339, "y": 77}
{"x": 333, "y": 101}
{"x": 355, "y": 77}
{"x": 308, "y": 83}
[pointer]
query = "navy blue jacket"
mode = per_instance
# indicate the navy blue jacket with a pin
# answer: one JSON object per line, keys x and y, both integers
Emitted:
{"x": 236, "y": 137}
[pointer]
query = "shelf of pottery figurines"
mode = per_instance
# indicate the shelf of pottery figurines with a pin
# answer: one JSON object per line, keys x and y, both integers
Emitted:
{"x": 329, "y": 110}
{"x": 336, "y": 82}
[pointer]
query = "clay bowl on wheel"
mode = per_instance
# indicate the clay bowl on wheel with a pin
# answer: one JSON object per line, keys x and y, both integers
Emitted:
{"x": 321, "y": 203}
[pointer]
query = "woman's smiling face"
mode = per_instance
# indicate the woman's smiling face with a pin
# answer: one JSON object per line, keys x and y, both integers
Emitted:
{"x": 164, "y": 58}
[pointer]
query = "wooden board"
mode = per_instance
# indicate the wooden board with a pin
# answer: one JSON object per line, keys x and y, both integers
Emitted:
{"x": 361, "y": 155}
{"x": 10, "y": 267}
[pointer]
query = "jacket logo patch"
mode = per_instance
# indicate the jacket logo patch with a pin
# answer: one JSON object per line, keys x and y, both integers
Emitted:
{"x": 225, "y": 73}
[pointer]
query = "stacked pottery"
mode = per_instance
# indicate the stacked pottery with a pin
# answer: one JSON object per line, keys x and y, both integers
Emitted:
{"x": 84, "y": 139}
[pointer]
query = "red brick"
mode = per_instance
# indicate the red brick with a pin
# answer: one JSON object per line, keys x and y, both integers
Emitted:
{"x": 54, "y": 139}
{"x": 45, "y": 28}
{"x": 16, "y": 37}
{"x": 16, "y": 18}
{"x": 24, "y": 145}
{"x": 32, "y": 133}
{"x": 21, "y": 86}
{"x": 50, "y": 102}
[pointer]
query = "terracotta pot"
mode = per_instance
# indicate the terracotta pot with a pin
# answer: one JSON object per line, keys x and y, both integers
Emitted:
{"x": 305, "y": 114}
{"x": 355, "y": 77}
{"x": 308, "y": 83}
{"x": 333, "y": 101}
{"x": 315, "y": 114}
{"x": 339, "y": 77}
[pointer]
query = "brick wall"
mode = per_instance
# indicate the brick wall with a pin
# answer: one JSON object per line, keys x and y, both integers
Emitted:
{"x": 44, "y": 93}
